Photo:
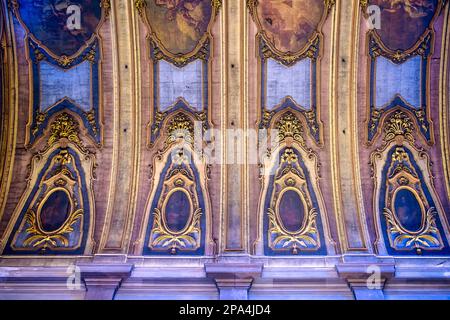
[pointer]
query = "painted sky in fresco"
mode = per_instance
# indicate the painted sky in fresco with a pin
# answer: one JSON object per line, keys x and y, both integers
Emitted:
{"x": 47, "y": 21}
{"x": 290, "y": 23}
{"x": 404, "y": 21}
{"x": 179, "y": 24}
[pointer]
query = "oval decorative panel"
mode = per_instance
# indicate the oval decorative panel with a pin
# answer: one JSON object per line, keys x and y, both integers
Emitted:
{"x": 177, "y": 211}
{"x": 408, "y": 210}
{"x": 54, "y": 210}
{"x": 291, "y": 211}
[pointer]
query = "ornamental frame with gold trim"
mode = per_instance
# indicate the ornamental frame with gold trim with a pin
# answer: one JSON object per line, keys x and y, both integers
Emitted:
{"x": 92, "y": 119}
{"x": 375, "y": 117}
{"x": 156, "y": 52}
{"x": 312, "y": 50}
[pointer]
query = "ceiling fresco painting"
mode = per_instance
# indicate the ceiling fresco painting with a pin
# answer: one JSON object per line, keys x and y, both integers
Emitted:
{"x": 47, "y": 22}
{"x": 401, "y": 46}
{"x": 180, "y": 25}
{"x": 289, "y": 25}
{"x": 64, "y": 49}
{"x": 180, "y": 44}
{"x": 404, "y": 21}
{"x": 290, "y": 37}
{"x": 408, "y": 213}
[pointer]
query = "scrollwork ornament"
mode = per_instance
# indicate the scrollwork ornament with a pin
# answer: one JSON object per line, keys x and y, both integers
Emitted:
{"x": 399, "y": 124}
{"x": 290, "y": 176}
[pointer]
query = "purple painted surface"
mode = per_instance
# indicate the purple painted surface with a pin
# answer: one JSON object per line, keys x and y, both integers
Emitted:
{"x": 292, "y": 211}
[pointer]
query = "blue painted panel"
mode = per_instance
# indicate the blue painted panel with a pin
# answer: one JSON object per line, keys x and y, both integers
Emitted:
{"x": 176, "y": 83}
{"x": 293, "y": 81}
{"x": 398, "y": 80}
{"x": 80, "y": 230}
{"x": 74, "y": 84}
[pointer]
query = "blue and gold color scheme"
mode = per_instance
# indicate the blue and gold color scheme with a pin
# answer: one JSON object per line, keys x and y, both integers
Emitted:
{"x": 179, "y": 35}
{"x": 179, "y": 89}
{"x": 50, "y": 42}
{"x": 410, "y": 215}
{"x": 411, "y": 221}
{"x": 389, "y": 45}
{"x": 292, "y": 224}
{"x": 55, "y": 214}
{"x": 296, "y": 47}
{"x": 292, "y": 213}
{"x": 178, "y": 207}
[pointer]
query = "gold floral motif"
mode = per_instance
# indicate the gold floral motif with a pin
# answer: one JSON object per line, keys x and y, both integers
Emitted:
{"x": 424, "y": 239}
{"x": 180, "y": 127}
{"x": 216, "y": 4}
{"x": 296, "y": 241}
{"x": 64, "y": 127}
{"x": 399, "y": 124}
{"x": 290, "y": 177}
{"x": 65, "y": 61}
{"x": 179, "y": 178}
{"x": 364, "y": 4}
{"x": 90, "y": 117}
{"x": 63, "y": 158}
{"x": 329, "y": 4}
{"x": 402, "y": 175}
{"x": 43, "y": 240}
{"x": 375, "y": 119}
{"x": 290, "y": 126}
{"x": 40, "y": 118}
{"x": 181, "y": 60}
{"x": 165, "y": 239}
{"x": 90, "y": 56}
{"x": 289, "y": 59}
{"x": 252, "y": 5}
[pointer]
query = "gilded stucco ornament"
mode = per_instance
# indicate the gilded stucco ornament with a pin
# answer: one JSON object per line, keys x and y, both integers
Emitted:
{"x": 179, "y": 179}
{"x": 403, "y": 176}
{"x": 290, "y": 178}
{"x": 290, "y": 126}
{"x": 399, "y": 124}
{"x": 55, "y": 213}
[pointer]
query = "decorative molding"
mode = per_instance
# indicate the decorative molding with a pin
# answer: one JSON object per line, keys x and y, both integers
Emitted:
{"x": 402, "y": 176}
{"x": 290, "y": 177}
{"x": 421, "y": 113}
{"x": 179, "y": 177}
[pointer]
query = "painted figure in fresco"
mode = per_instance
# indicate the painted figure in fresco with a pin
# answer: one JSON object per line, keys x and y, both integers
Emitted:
{"x": 177, "y": 211}
{"x": 404, "y": 21}
{"x": 291, "y": 211}
{"x": 179, "y": 24}
{"x": 290, "y": 23}
{"x": 190, "y": 16}
{"x": 48, "y": 20}
{"x": 415, "y": 8}
{"x": 55, "y": 211}
{"x": 55, "y": 13}
{"x": 187, "y": 13}
{"x": 408, "y": 211}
